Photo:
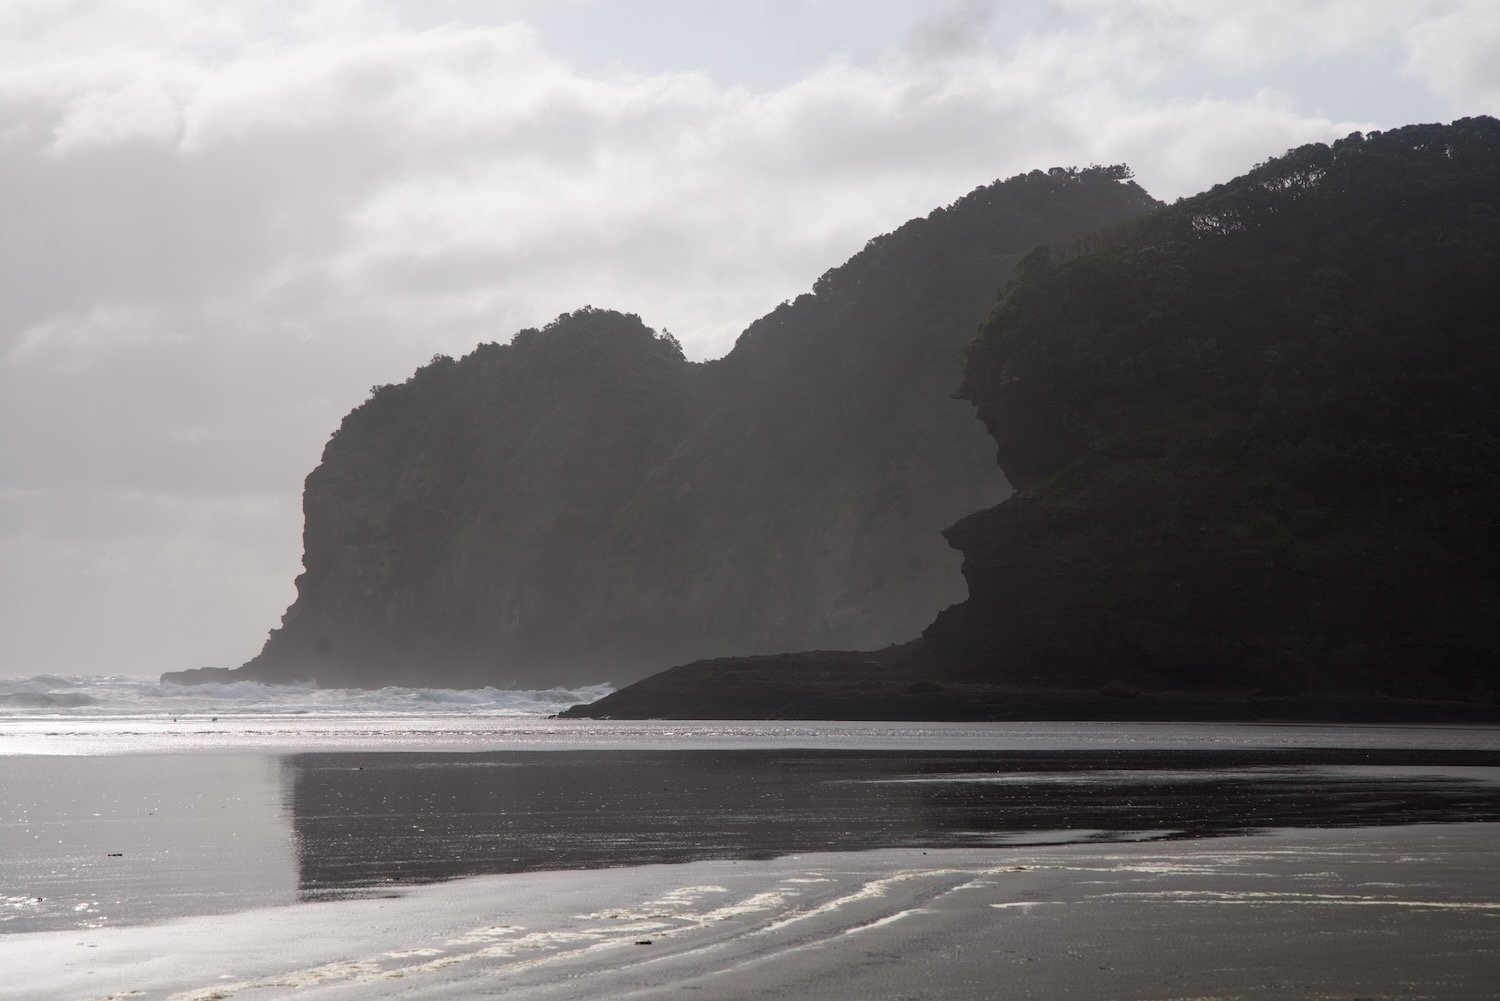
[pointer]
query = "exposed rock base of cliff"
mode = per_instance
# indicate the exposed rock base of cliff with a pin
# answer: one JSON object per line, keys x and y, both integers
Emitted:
{"x": 910, "y": 683}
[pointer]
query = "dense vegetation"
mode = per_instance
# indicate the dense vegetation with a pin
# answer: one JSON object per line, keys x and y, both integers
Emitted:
{"x": 1329, "y": 317}
{"x": 1258, "y": 434}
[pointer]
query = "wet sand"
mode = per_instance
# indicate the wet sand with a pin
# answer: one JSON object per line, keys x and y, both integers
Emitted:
{"x": 1132, "y": 863}
{"x": 1393, "y": 912}
{"x": 112, "y": 840}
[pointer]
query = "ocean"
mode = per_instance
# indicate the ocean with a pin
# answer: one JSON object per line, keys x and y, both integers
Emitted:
{"x": 453, "y": 843}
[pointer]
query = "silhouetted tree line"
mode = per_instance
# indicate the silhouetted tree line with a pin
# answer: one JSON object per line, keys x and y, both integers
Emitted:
{"x": 1330, "y": 317}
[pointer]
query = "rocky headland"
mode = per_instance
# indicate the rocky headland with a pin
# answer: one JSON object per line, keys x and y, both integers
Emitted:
{"x": 1255, "y": 443}
{"x": 583, "y": 504}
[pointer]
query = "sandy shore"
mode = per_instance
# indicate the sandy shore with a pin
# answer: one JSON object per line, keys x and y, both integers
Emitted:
{"x": 1408, "y": 912}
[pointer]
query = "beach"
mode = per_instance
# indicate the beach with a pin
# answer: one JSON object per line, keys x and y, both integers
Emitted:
{"x": 1408, "y": 912}
{"x": 375, "y": 848}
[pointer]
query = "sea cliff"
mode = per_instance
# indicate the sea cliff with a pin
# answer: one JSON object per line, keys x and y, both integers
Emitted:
{"x": 583, "y": 504}
{"x": 1255, "y": 443}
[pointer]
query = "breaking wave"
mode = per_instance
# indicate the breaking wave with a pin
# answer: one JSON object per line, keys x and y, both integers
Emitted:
{"x": 51, "y": 695}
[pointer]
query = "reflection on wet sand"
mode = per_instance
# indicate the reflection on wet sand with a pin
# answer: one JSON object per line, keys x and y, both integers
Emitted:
{"x": 363, "y": 821}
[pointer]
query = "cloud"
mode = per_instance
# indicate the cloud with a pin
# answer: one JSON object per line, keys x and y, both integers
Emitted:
{"x": 224, "y": 222}
{"x": 1241, "y": 36}
{"x": 1454, "y": 55}
{"x": 957, "y": 26}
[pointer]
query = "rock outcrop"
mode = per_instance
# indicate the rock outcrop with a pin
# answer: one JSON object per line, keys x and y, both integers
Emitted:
{"x": 1255, "y": 441}
{"x": 1255, "y": 438}
{"x": 584, "y": 505}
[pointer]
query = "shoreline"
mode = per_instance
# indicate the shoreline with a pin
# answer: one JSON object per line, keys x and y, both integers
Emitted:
{"x": 121, "y": 839}
{"x": 249, "y": 733}
{"x": 908, "y": 683}
{"x": 1310, "y": 912}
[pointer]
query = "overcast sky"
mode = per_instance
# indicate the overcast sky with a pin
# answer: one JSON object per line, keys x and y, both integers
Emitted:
{"x": 221, "y": 223}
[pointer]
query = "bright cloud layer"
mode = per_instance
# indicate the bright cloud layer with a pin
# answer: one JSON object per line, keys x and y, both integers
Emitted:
{"x": 223, "y": 223}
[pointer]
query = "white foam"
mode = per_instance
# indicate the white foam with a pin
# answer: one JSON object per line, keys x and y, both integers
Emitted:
{"x": 116, "y": 715}
{"x": 118, "y": 697}
{"x": 888, "y": 919}
{"x": 1306, "y": 899}
{"x": 544, "y": 936}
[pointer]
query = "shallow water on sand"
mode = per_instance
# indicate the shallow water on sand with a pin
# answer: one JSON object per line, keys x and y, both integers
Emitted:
{"x": 349, "y": 854}
{"x": 1393, "y": 912}
{"x": 93, "y": 841}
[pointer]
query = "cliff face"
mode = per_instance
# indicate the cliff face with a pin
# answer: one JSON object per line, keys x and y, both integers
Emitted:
{"x": 584, "y": 505}
{"x": 1255, "y": 441}
{"x": 1255, "y": 438}
{"x": 452, "y": 517}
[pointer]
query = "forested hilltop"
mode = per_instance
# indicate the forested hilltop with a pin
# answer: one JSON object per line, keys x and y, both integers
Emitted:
{"x": 1255, "y": 439}
{"x": 583, "y": 504}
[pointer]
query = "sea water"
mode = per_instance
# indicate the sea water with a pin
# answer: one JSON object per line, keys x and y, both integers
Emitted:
{"x": 126, "y": 801}
{"x": 78, "y": 715}
{"x": 121, "y": 697}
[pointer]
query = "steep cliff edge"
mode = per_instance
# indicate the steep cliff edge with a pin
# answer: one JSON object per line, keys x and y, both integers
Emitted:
{"x": 1255, "y": 439}
{"x": 584, "y": 505}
